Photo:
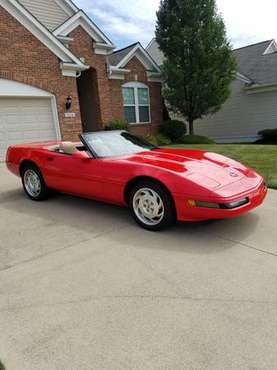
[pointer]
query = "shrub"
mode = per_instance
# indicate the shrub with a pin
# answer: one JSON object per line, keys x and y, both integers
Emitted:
{"x": 195, "y": 139}
{"x": 151, "y": 139}
{"x": 270, "y": 133}
{"x": 174, "y": 130}
{"x": 117, "y": 124}
{"x": 163, "y": 140}
{"x": 268, "y": 136}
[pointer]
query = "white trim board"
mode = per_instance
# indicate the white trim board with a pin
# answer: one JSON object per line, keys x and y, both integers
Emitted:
{"x": 10, "y": 88}
{"x": 40, "y": 32}
{"x": 272, "y": 48}
{"x": 139, "y": 52}
{"x": 256, "y": 89}
{"x": 150, "y": 44}
{"x": 68, "y": 7}
{"x": 14, "y": 89}
{"x": 81, "y": 19}
{"x": 243, "y": 78}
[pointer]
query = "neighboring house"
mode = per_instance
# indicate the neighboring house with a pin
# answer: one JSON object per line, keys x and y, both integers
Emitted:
{"x": 60, "y": 75}
{"x": 252, "y": 105}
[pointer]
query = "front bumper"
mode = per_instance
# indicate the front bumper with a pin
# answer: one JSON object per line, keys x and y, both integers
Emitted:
{"x": 255, "y": 196}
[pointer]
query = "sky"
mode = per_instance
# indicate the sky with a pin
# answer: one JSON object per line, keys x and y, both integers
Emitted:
{"x": 128, "y": 21}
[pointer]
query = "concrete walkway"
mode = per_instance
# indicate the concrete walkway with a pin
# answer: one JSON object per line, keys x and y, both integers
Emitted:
{"x": 83, "y": 288}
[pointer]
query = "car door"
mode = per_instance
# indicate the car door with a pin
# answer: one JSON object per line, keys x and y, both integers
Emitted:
{"x": 82, "y": 175}
{"x": 68, "y": 173}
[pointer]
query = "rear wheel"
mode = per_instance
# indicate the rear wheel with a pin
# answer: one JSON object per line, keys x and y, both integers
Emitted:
{"x": 152, "y": 206}
{"x": 33, "y": 183}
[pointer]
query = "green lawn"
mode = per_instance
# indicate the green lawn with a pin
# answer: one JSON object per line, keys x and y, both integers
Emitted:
{"x": 262, "y": 158}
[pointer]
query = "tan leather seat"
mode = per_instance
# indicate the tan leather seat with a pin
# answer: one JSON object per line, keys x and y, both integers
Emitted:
{"x": 54, "y": 148}
{"x": 67, "y": 147}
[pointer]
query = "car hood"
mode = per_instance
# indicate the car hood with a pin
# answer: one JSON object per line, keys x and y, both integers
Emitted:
{"x": 198, "y": 166}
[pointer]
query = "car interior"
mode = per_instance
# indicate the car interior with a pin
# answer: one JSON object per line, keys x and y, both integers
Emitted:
{"x": 67, "y": 147}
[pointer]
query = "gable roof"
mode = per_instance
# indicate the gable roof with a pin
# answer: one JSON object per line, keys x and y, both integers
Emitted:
{"x": 261, "y": 68}
{"x": 50, "y": 13}
{"x": 257, "y": 63}
{"x": 120, "y": 58}
{"x": 118, "y": 55}
{"x": 23, "y": 16}
{"x": 81, "y": 19}
{"x": 155, "y": 52}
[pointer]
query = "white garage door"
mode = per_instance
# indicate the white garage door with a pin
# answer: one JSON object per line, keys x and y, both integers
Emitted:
{"x": 26, "y": 114}
{"x": 25, "y": 120}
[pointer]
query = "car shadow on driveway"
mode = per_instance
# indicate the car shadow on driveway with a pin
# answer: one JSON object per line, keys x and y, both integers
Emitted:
{"x": 97, "y": 217}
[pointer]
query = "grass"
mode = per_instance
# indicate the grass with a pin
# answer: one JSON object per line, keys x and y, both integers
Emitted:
{"x": 262, "y": 158}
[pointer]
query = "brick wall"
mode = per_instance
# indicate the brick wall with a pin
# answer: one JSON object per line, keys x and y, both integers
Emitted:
{"x": 25, "y": 59}
{"x": 82, "y": 46}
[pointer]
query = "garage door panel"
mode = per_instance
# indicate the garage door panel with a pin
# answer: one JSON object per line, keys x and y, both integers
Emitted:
{"x": 41, "y": 125}
{"x": 25, "y": 120}
{"x": 33, "y": 135}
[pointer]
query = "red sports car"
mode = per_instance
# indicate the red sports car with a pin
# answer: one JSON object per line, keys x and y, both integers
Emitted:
{"x": 159, "y": 185}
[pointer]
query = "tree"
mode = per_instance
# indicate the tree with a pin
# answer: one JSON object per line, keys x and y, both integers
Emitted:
{"x": 199, "y": 65}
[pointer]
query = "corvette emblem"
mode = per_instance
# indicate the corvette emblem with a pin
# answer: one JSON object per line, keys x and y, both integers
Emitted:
{"x": 234, "y": 174}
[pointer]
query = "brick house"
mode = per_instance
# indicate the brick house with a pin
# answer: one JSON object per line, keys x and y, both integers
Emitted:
{"x": 60, "y": 75}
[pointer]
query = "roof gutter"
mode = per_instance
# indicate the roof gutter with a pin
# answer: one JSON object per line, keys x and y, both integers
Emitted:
{"x": 72, "y": 70}
{"x": 260, "y": 88}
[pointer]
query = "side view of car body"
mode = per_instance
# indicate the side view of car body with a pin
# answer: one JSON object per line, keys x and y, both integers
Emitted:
{"x": 159, "y": 185}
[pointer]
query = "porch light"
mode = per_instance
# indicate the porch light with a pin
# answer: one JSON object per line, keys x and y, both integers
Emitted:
{"x": 68, "y": 102}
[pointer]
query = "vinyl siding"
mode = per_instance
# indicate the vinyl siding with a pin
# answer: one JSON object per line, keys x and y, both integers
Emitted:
{"x": 154, "y": 51}
{"x": 241, "y": 117}
{"x": 48, "y": 12}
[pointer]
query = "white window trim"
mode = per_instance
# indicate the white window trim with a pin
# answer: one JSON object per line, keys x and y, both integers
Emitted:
{"x": 136, "y": 86}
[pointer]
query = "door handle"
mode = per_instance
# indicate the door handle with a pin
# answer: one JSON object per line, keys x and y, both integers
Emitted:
{"x": 50, "y": 159}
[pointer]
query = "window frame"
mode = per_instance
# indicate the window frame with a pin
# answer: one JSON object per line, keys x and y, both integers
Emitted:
{"x": 136, "y": 86}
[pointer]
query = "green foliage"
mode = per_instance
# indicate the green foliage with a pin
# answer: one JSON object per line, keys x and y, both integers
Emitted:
{"x": 117, "y": 124}
{"x": 157, "y": 140}
{"x": 195, "y": 139}
{"x": 199, "y": 65}
{"x": 174, "y": 130}
{"x": 163, "y": 140}
{"x": 269, "y": 136}
{"x": 151, "y": 139}
{"x": 2, "y": 366}
{"x": 262, "y": 158}
{"x": 269, "y": 133}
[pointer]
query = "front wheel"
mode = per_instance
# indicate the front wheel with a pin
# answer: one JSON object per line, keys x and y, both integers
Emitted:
{"x": 33, "y": 183}
{"x": 152, "y": 206}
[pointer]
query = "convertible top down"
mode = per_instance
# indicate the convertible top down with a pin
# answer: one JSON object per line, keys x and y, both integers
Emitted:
{"x": 159, "y": 185}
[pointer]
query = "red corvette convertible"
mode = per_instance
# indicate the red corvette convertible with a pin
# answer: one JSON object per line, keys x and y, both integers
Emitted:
{"x": 159, "y": 185}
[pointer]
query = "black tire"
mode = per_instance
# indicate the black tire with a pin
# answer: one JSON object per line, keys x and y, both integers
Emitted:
{"x": 43, "y": 192}
{"x": 169, "y": 213}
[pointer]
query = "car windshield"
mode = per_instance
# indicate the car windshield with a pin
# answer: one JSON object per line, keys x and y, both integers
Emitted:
{"x": 114, "y": 143}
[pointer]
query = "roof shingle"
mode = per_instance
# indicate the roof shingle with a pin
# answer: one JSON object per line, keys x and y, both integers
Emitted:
{"x": 252, "y": 63}
{"x": 116, "y": 57}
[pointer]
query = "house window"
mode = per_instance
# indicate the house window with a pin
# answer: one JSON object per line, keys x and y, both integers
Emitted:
{"x": 136, "y": 102}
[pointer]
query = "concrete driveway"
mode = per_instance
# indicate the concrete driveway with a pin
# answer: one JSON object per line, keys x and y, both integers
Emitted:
{"x": 83, "y": 288}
